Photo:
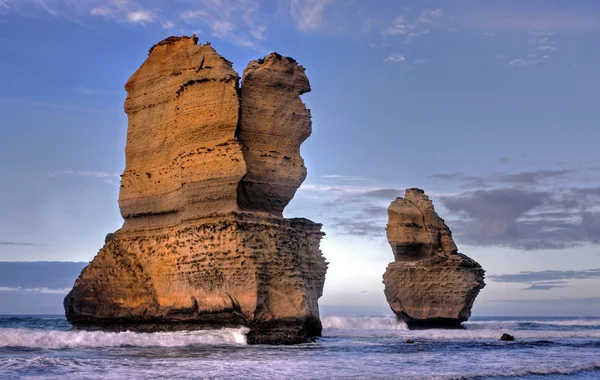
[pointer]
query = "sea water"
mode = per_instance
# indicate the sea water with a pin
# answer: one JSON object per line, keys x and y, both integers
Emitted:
{"x": 43, "y": 347}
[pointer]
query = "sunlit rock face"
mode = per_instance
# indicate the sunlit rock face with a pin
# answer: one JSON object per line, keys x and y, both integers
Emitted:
{"x": 430, "y": 283}
{"x": 274, "y": 123}
{"x": 209, "y": 168}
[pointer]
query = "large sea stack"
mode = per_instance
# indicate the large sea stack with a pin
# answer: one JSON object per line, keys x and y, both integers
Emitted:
{"x": 430, "y": 284}
{"x": 209, "y": 169}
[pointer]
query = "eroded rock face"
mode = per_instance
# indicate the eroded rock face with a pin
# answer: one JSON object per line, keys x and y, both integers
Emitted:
{"x": 430, "y": 283}
{"x": 204, "y": 243}
{"x": 274, "y": 123}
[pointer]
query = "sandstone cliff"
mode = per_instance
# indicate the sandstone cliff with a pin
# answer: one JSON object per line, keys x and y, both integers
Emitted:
{"x": 430, "y": 283}
{"x": 209, "y": 169}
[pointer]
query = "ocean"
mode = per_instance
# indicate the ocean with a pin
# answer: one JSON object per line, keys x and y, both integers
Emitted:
{"x": 42, "y": 347}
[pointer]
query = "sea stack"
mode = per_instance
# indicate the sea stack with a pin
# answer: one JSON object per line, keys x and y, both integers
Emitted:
{"x": 209, "y": 169}
{"x": 430, "y": 284}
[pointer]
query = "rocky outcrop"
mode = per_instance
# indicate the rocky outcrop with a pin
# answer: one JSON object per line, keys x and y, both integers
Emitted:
{"x": 274, "y": 122}
{"x": 209, "y": 169}
{"x": 430, "y": 283}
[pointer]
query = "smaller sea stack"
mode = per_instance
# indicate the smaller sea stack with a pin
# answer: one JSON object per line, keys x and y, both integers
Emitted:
{"x": 430, "y": 284}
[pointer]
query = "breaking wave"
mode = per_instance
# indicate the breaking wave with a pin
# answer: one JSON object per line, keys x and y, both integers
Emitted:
{"x": 27, "y": 338}
{"x": 381, "y": 326}
{"x": 363, "y": 323}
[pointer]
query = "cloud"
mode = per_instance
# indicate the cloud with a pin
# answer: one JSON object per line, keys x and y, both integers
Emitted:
{"x": 420, "y": 25}
{"x": 169, "y": 24}
{"x": 142, "y": 16}
{"x": 309, "y": 14}
{"x": 395, "y": 58}
{"x": 398, "y": 27}
{"x": 225, "y": 30}
{"x": 235, "y": 21}
{"x": 122, "y": 11}
{"x": 547, "y": 276}
{"x": 554, "y": 301}
{"x": 36, "y": 290}
{"x": 101, "y": 11}
{"x": 517, "y": 218}
{"x": 106, "y": 176}
{"x": 429, "y": 17}
{"x": 510, "y": 210}
{"x": 15, "y": 243}
{"x": 546, "y": 47}
{"x": 344, "y": 177}
{"x": 528, "y": 62}
{"x": 591, "y": 225}
{"x": 541, "y": 21}
{"x": 88, "y": 91}
{"x": 4, "y": 6}
{"x": 358, "y": 227}
{"x": 547, "y": 285}
{"x": 193, "y": 15}
{"x": 385, "y": 194}
{"x": 526, "y": 178}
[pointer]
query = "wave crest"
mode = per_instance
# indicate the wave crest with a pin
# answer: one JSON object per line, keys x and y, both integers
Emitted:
{"x": 363, "y": 323}
{"x": 27, "y": 338}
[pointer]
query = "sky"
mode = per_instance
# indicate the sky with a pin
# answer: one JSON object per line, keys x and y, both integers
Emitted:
{"x": 489, "y": 106}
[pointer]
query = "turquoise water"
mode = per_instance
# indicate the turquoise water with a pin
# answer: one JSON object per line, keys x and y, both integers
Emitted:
{"x": 42, "y": 347}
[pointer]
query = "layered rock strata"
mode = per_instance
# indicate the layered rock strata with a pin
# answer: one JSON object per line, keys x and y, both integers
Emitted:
{"x": 430, "y": 284}
{"x": 209, "y": 169}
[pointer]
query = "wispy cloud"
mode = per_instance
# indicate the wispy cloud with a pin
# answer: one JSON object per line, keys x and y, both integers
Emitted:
{"x": 413, "y": 26}
{"x": 235, "y": 21}
{"x": 105, "y": 176}
{"x": 524, "y": 178}
{"x": 554, "y": 301}
{"x": 140, "y": 16}
{"x": 430, "y": 17}
{"x": 169, "y": 24}
{"x": 193, "y": 15}
{"x": 528, "y": 62}
{"x": 546, "y": 276}
{"x": 340, "y": 177}
{"x": 309, "y": 14}
{"x": 541, "y": 21}
{"x": 4, "y": 6}
{"x": 547, "y": 285}
{"x": 15, "y": 243}
{"x": 89, "y": 91}
{"x": 395, "y": 58}
{"x": 36, "y": 290}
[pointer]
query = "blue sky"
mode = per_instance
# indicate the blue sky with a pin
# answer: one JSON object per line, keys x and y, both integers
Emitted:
{"x": 490, "y": 106}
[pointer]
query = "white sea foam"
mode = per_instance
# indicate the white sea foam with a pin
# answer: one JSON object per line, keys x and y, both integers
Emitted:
{"x": 17, "y": 337}
{"x": 363, "y": 323}
{"x": 571, "y": 322}
{"x": 490, "y": 325}
{"x": 379, "y": 326}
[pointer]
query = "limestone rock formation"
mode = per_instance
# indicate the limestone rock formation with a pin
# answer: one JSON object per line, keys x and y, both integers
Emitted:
{"x": 274, "y": 122}
{"x": 209, "y": 169}
{"x": 430, "y": 283}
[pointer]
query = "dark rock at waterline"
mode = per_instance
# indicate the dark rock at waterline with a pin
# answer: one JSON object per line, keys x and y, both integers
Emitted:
{"x": 507, "y": 337}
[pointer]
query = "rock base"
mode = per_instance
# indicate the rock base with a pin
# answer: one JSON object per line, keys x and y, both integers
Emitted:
{"x": 262, "y": 272}
{"x": 434, "y": 293}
